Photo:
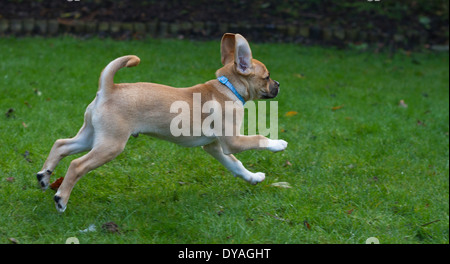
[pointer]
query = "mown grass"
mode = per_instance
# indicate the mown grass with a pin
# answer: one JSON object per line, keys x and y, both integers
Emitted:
{"x": 360, "y": 165}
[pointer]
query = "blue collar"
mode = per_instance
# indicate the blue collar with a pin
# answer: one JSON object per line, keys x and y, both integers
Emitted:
{"x": 224, "y": 80}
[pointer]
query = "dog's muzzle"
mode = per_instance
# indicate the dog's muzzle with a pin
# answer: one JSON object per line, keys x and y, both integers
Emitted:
{"x": 273, "y": 91}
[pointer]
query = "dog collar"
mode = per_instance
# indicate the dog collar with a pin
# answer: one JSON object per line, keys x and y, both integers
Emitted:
{"x": 224, "y": 80}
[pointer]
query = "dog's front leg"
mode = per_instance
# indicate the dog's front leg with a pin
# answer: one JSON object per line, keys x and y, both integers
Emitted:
{"x": 236, "y": 144}
{"x": 233, "y": 164}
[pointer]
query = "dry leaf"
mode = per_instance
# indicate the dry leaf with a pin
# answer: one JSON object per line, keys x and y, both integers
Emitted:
{"x": 291, "y": 113}
{"x": 420, "y": 123}
{"x": 307, "y": 225}
{"x": 287, "y": 163}
{"x": 56, "y": 184}
{"x": 111, "y": 227}
{"x": 10, "y": 179}
{"x": 334, "y": 108}
{"x": 284, "y": 185}
{"x": 24, "y": 125}
{"x": 299, "y": 75}
{"x": 9, "y": 113}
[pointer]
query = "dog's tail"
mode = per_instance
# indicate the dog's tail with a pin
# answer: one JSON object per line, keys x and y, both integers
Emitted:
{"x": 106, "y": 82}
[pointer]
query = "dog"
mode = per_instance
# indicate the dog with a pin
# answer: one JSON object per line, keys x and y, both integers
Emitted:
{"x": 121, "y": 110}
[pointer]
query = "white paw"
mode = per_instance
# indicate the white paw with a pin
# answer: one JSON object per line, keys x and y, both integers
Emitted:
{"x": 276, "y": 145}
{"x": 43, "y": 178}
{"x": 60, "y": 206}
{"x": 257, "y": 178}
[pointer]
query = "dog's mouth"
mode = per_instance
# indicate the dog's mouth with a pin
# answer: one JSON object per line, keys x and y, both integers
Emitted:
{"x": 274, "y": 90}
{"x": 268, "y": 96}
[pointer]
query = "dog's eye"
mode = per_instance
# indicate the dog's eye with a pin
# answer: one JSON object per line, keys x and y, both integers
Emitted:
{"x": 267, "y": 78}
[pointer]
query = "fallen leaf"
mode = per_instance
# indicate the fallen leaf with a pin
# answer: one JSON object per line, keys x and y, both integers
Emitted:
{"x": 291, "y": 113}
{"x": 10, "y": 179}
{"x": 55, "y": 185}
{"x": 420, "y": 123}
{"x": 24, "y": 125}
{"x": 307, "y": 225}
{"x": 284, "y": 185}
{"x": 111, "y": 227}
{"x": 349, "y": 212}
{"x": 402, "y": 104}
{"x": 334, "y": 108}
{"x": 9, "y": 113}
{"x": 299, "y": 75}
{"x": 287, "y": 163}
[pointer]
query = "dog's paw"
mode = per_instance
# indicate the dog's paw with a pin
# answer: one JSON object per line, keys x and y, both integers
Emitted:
{"x": 60, "y": 206}
{"x": 277, "y": 145}
{"x": 43, "y": 178}
{"x": 257, "y": 178}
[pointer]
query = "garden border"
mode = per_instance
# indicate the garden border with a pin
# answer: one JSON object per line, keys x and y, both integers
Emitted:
{"x": 306, "y": 34}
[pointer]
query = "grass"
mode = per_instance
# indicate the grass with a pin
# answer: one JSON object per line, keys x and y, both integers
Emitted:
{"x": 361, "y": 165}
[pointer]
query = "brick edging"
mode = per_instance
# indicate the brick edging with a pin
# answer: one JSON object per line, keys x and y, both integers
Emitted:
{"x": 161, "y": 29}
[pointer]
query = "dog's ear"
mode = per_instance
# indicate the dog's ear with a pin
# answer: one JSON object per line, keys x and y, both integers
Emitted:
{"x": 242, "y": 55}
{"x": 227, "y": 47}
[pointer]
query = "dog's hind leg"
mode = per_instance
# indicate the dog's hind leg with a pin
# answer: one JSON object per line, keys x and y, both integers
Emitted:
{"x": 101, "y": 153}
{"x": 232, "y": 164}
{"x": 65, "y": 147}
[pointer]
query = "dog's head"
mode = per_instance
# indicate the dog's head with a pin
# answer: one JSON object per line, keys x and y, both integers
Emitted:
{"x": 250, "y": 76}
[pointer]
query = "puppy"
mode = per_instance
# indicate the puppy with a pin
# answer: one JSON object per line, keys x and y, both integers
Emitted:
{"x": 121, "y": 110}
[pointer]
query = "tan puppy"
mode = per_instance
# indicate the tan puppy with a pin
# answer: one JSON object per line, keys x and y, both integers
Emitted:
{"x": 121, "y": 110}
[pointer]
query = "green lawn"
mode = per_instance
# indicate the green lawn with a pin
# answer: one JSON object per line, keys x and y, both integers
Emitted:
{"x": 360, "y": 165}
